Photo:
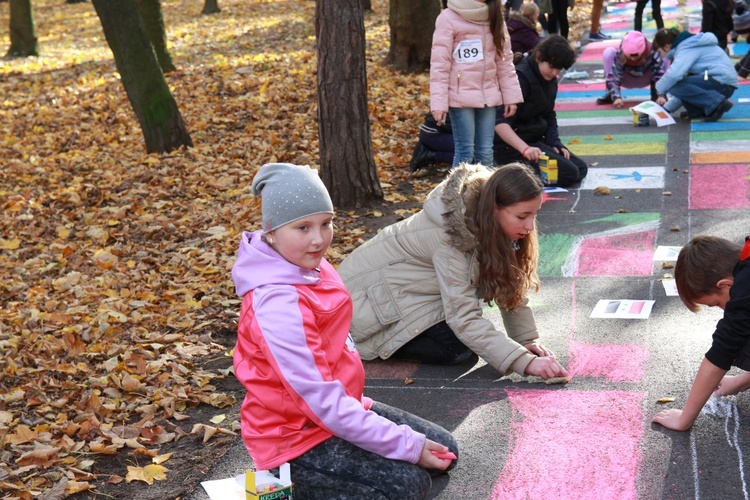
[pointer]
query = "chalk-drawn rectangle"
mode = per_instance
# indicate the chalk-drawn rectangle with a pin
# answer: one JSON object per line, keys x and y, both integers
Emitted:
{"x": 714, "y": 187}
{"x": 625, "y": 178}
{"x": 590, "y": 442}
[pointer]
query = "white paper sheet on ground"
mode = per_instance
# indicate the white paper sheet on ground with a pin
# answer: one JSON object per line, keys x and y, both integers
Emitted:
{"x": 744, "y": 99}
{"x": 624, "y": 178}
{"x": 654, "y": 111}
{"x": 666, "y": 253}
{"x": 626, "y": 309}
{"x": 670, "y": 288}
{"x": 232, "y": 488}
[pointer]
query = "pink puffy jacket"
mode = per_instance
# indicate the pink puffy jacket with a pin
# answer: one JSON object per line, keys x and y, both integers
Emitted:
{"x": 490, "y": 81}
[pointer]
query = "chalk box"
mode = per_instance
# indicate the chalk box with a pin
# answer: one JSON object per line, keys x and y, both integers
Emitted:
{"x": 262, "y": 485}
{"x": 548, "y": 170}
{"x": 641, "y": 119}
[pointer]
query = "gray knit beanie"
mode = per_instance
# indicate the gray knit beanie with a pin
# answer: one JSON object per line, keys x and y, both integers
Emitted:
{"x": 289, "y": 192}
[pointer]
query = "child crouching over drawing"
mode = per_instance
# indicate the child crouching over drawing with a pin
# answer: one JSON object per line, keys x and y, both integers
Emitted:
{"x": 715, "y": 272}
{"x": 303, "y": 374}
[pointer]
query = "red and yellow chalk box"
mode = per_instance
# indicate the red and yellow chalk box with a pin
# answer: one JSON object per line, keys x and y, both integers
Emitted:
{"x": 548, "y": 170}
{"x": 262, "y": 485}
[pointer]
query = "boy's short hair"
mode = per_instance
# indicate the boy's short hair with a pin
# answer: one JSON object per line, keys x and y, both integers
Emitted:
{"x": 555, "y": 51}
{"x": 702, "y": 263}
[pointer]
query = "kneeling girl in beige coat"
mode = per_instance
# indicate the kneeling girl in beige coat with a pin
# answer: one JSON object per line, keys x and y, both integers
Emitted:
{"x": 420, "y": 285}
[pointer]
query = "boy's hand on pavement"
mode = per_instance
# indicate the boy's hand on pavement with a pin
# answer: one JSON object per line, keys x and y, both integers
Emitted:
{"x": 617, "y": 103}
{"x": 671, "y": 419}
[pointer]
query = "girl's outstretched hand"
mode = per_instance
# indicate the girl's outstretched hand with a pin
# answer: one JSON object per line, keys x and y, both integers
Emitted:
{"x": 546, "y": 367}
{"x": 430, "y": 461}
{"x": 538, "y": 349}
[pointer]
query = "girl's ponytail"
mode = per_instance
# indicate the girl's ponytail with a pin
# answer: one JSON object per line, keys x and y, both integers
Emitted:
{"x": 497, "y": 23}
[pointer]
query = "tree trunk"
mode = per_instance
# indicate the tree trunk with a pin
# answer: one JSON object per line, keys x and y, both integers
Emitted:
{"x": 23, "y": 40}
{"x": 412, "y": 23}
{"x": 75, "y": 1}
{"x": 150, "y": 11}
{"x": 211, "y": 7}
{"x": 346, "y": 162}
{"x": 367, "y": 5}
{"x": 161, "y": 122}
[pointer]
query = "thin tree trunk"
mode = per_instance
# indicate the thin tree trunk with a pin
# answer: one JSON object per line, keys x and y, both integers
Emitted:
{"x": 347, "y": 164}
{"x": 153, "y": 20}
{"x": 23, "y": 40}
{"x": 211, "y": 7}
{"x": 412, "y": 23}
{"x": 161, "y": 122}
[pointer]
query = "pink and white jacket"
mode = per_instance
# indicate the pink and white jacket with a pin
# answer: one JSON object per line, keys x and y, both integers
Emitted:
{"x": 490, "y": 81}
{"x": 297, "y": 360}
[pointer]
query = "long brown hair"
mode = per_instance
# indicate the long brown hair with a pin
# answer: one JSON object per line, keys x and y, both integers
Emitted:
{"x": 497, "y": 24}
{"x": 507, "y": 270}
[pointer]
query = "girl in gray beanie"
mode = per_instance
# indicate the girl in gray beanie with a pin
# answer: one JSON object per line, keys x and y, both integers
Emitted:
{"x": 304, "y": 377}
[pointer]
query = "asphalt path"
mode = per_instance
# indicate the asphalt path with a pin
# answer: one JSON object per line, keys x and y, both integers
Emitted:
{"x": 593, "y": 437}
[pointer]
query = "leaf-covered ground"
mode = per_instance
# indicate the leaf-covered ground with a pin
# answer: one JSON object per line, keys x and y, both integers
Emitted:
{"x": 118, "y": 308}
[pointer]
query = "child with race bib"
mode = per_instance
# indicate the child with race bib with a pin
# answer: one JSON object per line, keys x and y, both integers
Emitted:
{"x": 471, "y": 73}
{"x": 298, "y": 362}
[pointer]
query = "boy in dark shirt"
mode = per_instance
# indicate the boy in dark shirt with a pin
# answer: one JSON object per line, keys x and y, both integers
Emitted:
{"x": 715, "y": 272}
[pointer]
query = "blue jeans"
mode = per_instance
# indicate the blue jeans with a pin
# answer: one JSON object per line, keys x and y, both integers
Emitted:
{"x": 700, "y": 97}
{"x": 473, "y": 135}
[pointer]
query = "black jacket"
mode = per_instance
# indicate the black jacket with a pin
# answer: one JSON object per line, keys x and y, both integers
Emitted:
{"x": 731, "y": 340}
{"x": 535, "y": 120}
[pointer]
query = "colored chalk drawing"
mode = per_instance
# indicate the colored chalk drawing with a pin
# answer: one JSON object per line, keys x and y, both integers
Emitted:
{"x": 561, "y": 252}
{"x": 719, "y": 187}
{"x": 620, "y": 252}
{"x": 616, "y": 363}
{"x": 724, "y": 408}
{"x": 625, "y": 178}
{"x": 590, "y": 441}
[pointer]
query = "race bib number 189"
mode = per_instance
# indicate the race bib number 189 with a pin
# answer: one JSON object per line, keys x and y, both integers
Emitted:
{"x": 468, "y": 51}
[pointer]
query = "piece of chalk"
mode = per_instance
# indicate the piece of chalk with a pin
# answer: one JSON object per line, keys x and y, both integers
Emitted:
{"x": 557, "y": 380}
{"x": 447, "y": 454}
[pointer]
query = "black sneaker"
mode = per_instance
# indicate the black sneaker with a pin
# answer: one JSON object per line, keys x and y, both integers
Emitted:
{"x": 605, "y": 99}
{"x": 722, "y": 108}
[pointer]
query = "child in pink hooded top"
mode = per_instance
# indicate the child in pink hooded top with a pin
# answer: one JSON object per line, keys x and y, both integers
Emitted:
{"x": 303, "y": 374}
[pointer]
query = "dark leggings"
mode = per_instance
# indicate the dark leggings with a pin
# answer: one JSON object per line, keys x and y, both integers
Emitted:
{"x": 558, "y": 19}
{"x": 437, "y": 345}
{"x": 655, "y": 13}
{"x": 338, "y": 470}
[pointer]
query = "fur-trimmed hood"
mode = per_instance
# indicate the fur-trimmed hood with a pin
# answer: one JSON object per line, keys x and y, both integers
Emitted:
{"x": 516, "y": 16}
{"x": 455, "y": 203}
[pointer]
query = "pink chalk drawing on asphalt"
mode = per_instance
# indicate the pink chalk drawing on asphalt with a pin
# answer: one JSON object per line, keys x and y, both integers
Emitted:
{"x": 616, "y": 363}
{"x": 623, "y": 252}
{"x": 719, "y": 187}
{"x": 572, "y": 445}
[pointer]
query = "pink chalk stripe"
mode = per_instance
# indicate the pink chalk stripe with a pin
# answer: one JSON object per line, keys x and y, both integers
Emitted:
{"x": 627, "y": 254}
{"x": 719, "y": 187}
{"x": 616, "y": 363}
{"x": 572, "y": 445}
{"x": 578, "y": 86}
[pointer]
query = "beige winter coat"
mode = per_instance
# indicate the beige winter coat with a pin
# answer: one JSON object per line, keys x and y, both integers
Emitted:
{"x": 421, "y": 271}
